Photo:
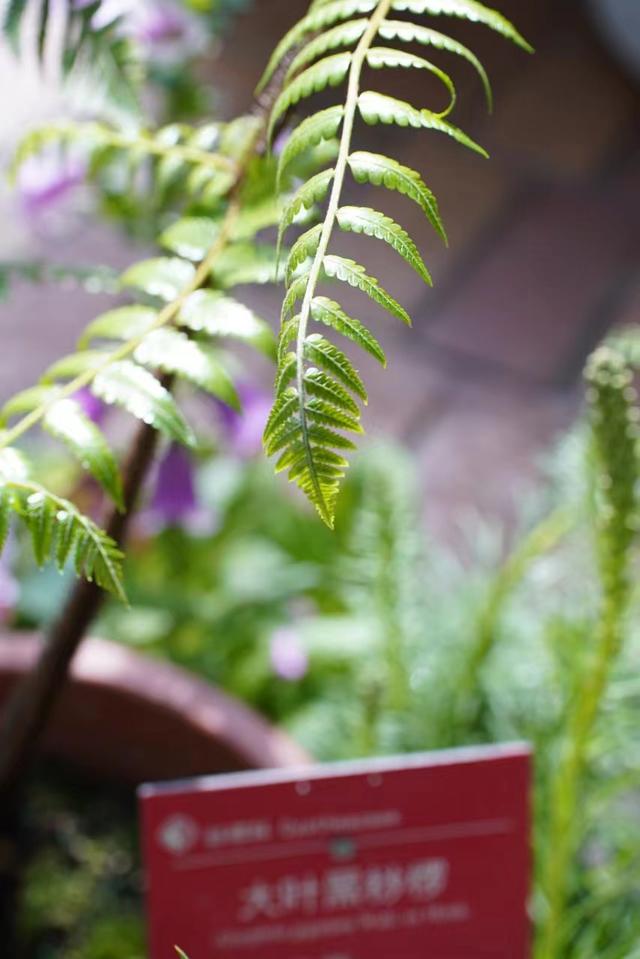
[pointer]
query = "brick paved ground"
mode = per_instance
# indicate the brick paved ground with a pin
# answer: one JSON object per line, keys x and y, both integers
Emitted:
{"x": 544, "y": 255}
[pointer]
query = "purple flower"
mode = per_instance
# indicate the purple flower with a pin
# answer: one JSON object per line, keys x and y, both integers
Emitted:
{"x": 46, "y": 181}
{"x": 174, "y": 497}
{"x": 243, "y": 431}
{"x": 174, "y": 501}
{"x": 289, "y": 658}
{"x": 91, "y": 406}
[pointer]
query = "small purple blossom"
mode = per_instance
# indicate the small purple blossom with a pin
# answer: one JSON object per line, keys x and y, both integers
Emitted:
{"x": 289, "y": 658}
{"x": 174, "y": 497}
{"x": 174, "y": 501}
{"x": 243, "y": 430}
{"x": 47, "y": 180}
{"x": 91, "y": 406}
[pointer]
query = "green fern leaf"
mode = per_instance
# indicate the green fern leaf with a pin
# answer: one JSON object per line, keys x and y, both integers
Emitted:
{"x": 123, "y": 323}
{"x": 317, "y": 383}
{"x": 466, "y": 10}
{"x": 135, "y": 389}
{"x": 66, "y": 421}
{"x": 332, "y": 360}
{"x": 323, "y": 125}
{"x": 171, "y": 351}
{"x": 356, "y": 219}
{"x": 68, "y": 367}
{"x": 303, "y": 249}
{"x": 329, "y": 72}
{"x": 40, "y": 518}
{"x": 306, "y": 197}
{"x": 383, "y": 171}
{"x": 295, "y": 292}
{"x": 379, "y": 58}
{"x": 162, "y": 277}
{"x": 327, "y": 311}
{"x": 313, "y": 23}
{"x": 415, "y": 33}
{"x": 191, "y": 237}
{"x": 12, "y": 20}
{"x": 26, "y": 400}
{"x": 246, "y": 263}
{"x": 344, "y": 35}
{"x": 348, "y": 271}
{"x": 379, "y": 108}
{"x": 207, "y": 311}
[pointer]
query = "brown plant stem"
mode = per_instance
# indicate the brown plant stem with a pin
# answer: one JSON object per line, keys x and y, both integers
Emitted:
{"x": 30, "y": 705}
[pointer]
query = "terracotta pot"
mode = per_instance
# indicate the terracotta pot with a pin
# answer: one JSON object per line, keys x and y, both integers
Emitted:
{"x": 133, "y": 719}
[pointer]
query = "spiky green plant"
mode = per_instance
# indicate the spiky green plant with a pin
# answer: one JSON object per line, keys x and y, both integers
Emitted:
{"x": 318, "y": 389}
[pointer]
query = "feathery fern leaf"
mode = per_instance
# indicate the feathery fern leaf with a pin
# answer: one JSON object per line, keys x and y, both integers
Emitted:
{"x": 383, "y": 171}
{"x": 358, "y": 219}
{"x": 137, "y": 390}
{"x": 317, "y": 385}
{"x": 56, "y": 526}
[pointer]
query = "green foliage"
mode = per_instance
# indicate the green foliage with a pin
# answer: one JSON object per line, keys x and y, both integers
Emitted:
{"x": 130, "y": 356}
{"x": 176, "y": 161}
{"x": 304, "y": 434}
{"x": 58, "y": 529}
{"x": 102, "y": 57}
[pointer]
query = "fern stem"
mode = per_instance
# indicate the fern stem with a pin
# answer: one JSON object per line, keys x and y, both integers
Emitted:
{"x": 353, "y": 89}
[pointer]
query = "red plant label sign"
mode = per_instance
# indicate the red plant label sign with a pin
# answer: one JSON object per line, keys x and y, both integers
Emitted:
{"x": 406, "y": 858}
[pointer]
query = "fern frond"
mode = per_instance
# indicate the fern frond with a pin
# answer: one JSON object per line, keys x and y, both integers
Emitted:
{"x": 380, "y": 57}
{"x": 383, "y": 171}
{"x": 348, "y": 271}
{"x": 358, "y": 219}
{"x": 305, "y": 427}
{"x": 409, "y": 32}
{"x": 378, "y": 108}
{"x": 123, "y": 351}
{"x": 175, "y": 155}
{"x": 59, "y": 531}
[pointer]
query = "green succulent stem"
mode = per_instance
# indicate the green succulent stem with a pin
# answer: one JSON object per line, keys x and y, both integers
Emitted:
{"x": 351, "y": 104}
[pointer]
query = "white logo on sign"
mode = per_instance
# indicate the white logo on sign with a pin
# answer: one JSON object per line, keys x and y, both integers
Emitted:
{"x": 179, "y": 834}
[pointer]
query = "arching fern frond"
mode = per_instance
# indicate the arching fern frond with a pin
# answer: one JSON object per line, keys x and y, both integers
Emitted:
{"x": 199, "y": 160}
{"x": 57, "y": 527}
{"x": 317, "y": 385}
{"x": 176, "y": 329}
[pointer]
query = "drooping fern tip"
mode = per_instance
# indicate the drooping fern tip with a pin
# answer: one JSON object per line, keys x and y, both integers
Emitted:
{"x": 318, "y": 390}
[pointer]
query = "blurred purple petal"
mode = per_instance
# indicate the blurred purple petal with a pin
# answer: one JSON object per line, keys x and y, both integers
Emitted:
{"x": 289, "y": 658}
{"x": 174, "y": 497}
{"x": 46, "y": 181}
{"x": 243, "y": 431}
{"x": 92, "y": 407}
